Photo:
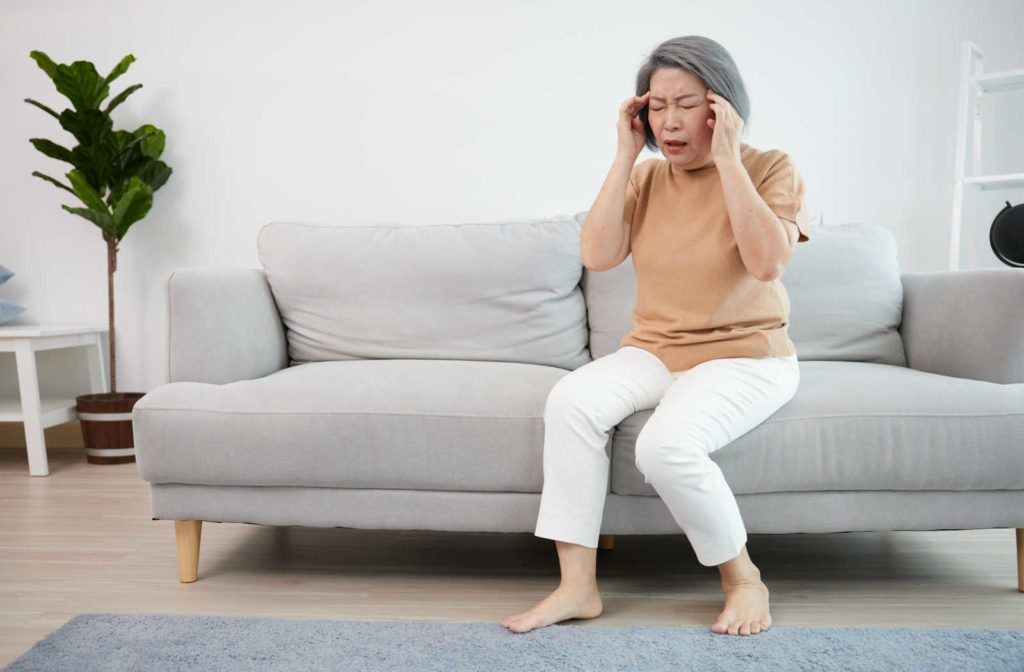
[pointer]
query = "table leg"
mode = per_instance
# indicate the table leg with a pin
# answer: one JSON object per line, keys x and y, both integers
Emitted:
{"x": 31, "y": 409}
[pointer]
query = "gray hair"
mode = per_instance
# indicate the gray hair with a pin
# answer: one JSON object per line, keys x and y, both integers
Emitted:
{"x": 703, "y": 58}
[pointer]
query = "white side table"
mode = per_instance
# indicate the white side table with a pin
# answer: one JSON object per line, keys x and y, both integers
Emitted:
{"x": 38, "y": 413}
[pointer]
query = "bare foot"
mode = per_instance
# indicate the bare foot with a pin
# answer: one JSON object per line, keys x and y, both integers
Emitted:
{"x": 746, "y": 609}
{"x": 563, "y": 604}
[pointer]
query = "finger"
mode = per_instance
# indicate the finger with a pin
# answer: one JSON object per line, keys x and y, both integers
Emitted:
{"x": 631, "y": 106}
{"x": 639, "y": 101}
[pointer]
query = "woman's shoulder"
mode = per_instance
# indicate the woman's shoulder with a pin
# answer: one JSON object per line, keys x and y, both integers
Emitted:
{"x": 762, "y": 160}
{"x": 761, "y": 154}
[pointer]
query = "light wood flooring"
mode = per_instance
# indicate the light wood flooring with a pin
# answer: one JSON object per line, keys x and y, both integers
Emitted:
{"x": 81, "y": 540}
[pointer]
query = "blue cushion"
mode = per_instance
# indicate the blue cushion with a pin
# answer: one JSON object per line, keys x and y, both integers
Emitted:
{"x": 9, "y": 310}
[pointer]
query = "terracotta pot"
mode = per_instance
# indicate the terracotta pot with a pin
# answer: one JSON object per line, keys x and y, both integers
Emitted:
{"x": 106, "y": 421}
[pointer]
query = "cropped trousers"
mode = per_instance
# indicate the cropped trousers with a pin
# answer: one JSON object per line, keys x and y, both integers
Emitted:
{"x": 696, "y": 412}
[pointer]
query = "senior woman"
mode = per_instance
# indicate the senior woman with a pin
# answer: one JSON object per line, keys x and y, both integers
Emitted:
{"x": 711, "y": 228}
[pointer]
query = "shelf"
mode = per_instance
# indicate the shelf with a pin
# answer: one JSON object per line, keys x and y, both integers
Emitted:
{"x": 36, "y": 330}
{"x": 990, "y": 182}
{"x": 55, "y": 411}
{"x": 1000, "y": 81}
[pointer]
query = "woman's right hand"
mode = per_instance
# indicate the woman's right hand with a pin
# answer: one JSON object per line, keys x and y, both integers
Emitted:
{"x": 631, "y": 129}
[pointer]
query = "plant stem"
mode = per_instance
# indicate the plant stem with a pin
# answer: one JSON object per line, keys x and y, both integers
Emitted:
{"x": 111, "y": 267}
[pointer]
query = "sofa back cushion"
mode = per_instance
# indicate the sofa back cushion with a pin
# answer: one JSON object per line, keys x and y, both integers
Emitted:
{"x": 493, "y": 292}
{"x": 845, "y": 292}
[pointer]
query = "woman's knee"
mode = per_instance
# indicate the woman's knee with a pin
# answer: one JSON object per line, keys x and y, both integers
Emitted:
{"x": 580, "y": 397}
{"x": 655, "y": 454}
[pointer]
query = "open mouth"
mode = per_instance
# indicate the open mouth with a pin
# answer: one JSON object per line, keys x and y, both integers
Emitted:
{"x": 674, "y": 145}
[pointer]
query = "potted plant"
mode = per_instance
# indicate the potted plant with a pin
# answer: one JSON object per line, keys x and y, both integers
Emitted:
{"x": 114, "y": 174}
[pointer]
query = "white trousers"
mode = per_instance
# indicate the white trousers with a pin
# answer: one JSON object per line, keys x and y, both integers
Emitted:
{"x": 696, "y": 412}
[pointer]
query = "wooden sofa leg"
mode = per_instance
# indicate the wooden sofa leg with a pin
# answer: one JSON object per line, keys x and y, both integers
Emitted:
{"x": 187, "y": 533}
{"x": 607, "y": 542}
{"x": 1020, "y": 559}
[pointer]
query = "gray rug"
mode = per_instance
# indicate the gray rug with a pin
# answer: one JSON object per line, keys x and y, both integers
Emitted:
{"x": 115, "y": 642}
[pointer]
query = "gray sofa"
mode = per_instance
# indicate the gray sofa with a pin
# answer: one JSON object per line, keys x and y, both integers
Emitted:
{"x": 395, "y": 377}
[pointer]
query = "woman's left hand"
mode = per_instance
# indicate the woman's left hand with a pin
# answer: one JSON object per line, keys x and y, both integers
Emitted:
{"x": 727, "y": 126}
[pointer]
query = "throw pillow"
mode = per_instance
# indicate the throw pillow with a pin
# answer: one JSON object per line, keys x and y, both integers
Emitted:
{"x": 9, "y": 310}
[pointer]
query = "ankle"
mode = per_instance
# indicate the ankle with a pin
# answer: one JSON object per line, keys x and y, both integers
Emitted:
{"x": 736, "y": 576}
{"x": 579, "y": 585}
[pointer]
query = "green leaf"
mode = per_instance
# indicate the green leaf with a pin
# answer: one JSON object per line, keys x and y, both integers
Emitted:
{"x": 132, "y": 206}
{"x": 121, "y": 97}
{"x": 120, "y": 68}
{"x": 153, "y": 140}
{"x": 52, "y": 149}
{"x": 50, "y": 179}
{"x": 128, "y": 150}
{"x": 95, "y": 162}
{"x": 155, "y": 174}
{"x": 42, "y": 107}
{"x": 86, "y": 193}
{"x": 81, "y": 84}
{"x": 119, "y": 141}
{"x": 90, "y": 127}
{"x": 100, "y": 220}
{"x": 44, "y": 61}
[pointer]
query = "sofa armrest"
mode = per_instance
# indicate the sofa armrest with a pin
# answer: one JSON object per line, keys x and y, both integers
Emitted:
{"x": 223, "y": 326}
{"x": 966, "y": 324}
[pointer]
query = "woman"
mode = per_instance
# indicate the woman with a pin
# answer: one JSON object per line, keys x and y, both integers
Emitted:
{"x": 711, "y": 228}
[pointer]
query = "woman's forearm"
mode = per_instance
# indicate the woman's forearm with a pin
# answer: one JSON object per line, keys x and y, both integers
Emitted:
{"x": 764, "y": 243}
{"x": 604, "y": 239}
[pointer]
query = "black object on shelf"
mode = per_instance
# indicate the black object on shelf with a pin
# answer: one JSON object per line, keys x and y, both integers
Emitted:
{"x": 1007, "y": 235}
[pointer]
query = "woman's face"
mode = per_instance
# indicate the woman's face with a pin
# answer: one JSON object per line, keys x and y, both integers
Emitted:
{"x": 678, "y": 110}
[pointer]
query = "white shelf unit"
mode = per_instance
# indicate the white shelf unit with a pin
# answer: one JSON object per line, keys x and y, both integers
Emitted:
{"x": 38, "y": 410}
{"x": 973, "y": 86}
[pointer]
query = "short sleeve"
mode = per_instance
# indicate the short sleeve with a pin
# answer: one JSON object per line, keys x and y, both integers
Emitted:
{"x": 632, "y": 195}
{"x": 783, "y": 190}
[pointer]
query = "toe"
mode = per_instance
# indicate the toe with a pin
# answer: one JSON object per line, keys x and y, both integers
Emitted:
{"x": 734, "y": 628}
{"x": 745, "y": 629}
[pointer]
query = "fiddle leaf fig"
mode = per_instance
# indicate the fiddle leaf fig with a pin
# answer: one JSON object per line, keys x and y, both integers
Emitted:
{"x": 123, "y": 165}
{"x": 117, "y": 100}
{"x": 120, "y": 69}
{"x": 132, "y": 205}
{"x": 98, "y": 218}
{"x": 86, "y": 193}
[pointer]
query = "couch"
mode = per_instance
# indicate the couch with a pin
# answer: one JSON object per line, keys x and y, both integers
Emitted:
{"x": 395, "y": 377}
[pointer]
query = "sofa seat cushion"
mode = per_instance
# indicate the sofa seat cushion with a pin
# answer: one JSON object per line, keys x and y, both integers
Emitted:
{"x": 393, "y": 424}
{"x": 866, "y": 426}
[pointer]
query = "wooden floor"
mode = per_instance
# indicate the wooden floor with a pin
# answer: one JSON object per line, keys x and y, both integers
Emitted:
{"x": 81, "y": 540}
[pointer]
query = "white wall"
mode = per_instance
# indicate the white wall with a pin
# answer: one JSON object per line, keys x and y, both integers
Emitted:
{"x": 447, "y": 111}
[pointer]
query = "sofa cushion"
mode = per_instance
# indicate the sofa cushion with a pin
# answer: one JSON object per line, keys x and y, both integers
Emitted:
{"x": 504, "y": 292}
{"x": 844, "y": 287}
{"x": 8, "y": 310}
{"x": 866, "y": 426}
{"x": 393, "y": 424}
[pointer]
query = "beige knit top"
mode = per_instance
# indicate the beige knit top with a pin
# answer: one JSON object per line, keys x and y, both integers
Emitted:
{"x": 696, "y": 301}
